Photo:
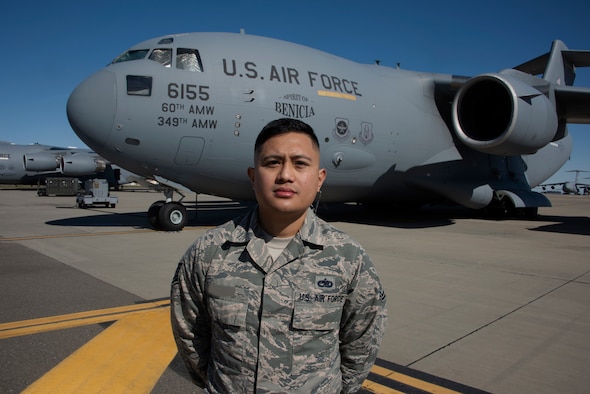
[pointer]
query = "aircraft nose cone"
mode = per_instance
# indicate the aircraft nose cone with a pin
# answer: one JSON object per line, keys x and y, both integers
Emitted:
{"x": 91, "y": 108}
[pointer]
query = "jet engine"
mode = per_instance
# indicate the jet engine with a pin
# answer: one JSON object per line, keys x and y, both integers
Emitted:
{"x": 501, "y": 115}
{"x": 41, "y": 162}
{"x": 76, "y": 165}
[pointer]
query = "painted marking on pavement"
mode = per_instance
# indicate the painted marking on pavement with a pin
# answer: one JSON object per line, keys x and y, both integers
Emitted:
{"x": 132, "y": 354}
{"x": 34, "y": 326}
{"x": 121, "y": 232}
{"x": 127, "y": 357}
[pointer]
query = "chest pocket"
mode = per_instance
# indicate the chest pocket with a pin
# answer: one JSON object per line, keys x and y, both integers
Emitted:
{"x": 228, "y": 312}
{"x": 227, "y": 304}
{"x": 317, "y": 316}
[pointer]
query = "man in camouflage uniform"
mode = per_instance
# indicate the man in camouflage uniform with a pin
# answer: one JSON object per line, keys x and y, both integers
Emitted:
{"x": 279, "y": 301}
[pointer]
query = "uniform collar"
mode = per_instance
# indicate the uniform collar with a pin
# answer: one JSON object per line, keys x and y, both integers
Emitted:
{"x": 248, "y": 228}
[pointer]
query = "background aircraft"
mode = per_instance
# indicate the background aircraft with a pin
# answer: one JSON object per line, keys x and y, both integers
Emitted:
{"x": 31, "y": 164}
{"x": 186, "y": 109}
{"x": 569, "y": 187}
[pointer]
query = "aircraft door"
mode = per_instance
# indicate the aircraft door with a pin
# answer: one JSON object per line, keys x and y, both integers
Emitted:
{"x": 189, "y": 151}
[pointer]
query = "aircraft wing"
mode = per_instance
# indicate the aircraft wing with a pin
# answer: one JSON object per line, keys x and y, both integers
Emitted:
{"x": 574, "y": 103}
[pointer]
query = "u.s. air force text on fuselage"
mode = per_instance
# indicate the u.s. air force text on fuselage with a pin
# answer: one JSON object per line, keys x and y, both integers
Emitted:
{"x": 249, "y": 69}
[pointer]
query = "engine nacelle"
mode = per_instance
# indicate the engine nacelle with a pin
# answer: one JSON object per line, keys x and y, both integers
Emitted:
{"x": 41, "y": 161}
{"x": 76, "y": 165}
{"x": 501, "y": 115}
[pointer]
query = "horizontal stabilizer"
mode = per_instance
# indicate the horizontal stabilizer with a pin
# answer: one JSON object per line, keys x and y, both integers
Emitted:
{"x": 558, "y": 59}
{"x": 538, "y": 65}
{"x": 559, "y": 68}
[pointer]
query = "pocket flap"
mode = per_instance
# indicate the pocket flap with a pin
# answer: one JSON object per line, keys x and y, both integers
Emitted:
{"x": 316, "y": 316}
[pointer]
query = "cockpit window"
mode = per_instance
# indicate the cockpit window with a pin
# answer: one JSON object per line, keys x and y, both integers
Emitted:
{"x": 162, "y": 56}
{"x": 188, "y": 59}
{"x": 136, "y": 54}
{"x": 139, "y": 85}
{"x": 167, "y": 40}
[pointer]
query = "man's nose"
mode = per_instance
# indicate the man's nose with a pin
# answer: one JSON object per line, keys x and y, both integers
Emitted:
{"x": 286, "y": 173}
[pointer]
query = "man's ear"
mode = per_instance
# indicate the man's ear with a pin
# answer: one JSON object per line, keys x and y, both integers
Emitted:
{"x": 251, "y": 174}
{"x": 322, "y": 177}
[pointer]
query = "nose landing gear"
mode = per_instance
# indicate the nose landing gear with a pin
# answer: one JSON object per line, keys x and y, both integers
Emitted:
{"x": 168, "y": 215}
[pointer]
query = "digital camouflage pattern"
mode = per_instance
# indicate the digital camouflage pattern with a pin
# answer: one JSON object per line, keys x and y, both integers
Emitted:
{"x": 309, "y": 322}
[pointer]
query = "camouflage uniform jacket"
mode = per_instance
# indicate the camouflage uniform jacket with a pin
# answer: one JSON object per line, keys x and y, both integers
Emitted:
{"x": 309, "y": 322}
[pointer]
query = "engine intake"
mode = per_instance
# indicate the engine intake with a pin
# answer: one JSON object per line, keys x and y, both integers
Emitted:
{"x": 501, "y": 115}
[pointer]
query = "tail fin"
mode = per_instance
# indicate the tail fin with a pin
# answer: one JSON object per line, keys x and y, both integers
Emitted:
{"x": 557, "y": 66}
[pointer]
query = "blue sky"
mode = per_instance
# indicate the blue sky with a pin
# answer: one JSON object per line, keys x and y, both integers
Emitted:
{"x": 49, "y": 47}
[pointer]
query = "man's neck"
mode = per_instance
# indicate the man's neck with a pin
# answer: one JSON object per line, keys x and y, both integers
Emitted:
{"x": 282, "y": 226}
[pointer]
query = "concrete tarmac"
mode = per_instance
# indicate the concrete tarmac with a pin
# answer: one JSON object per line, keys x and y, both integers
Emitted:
{"x": 498, "y": 305}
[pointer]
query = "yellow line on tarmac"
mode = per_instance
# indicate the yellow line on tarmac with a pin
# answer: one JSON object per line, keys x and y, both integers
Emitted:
{"x": 379, "y": 388}
{"x": 122, "y": 232}
{"x": 133, "y": 353}
{"x": 34, "y": 326}
{"x": 410, "y": 381}
{"x": 128, "y": 357}
{"x": 31, "y": 237}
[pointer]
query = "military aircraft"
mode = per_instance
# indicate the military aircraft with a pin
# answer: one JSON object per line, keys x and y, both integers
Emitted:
{"x": 185, "y": 110}
{"x": 568, "y": 187}
{"x": 31, "y": 164}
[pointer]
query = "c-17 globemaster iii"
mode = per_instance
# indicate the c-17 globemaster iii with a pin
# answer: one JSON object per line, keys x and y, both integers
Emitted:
{"x": 569, "y": 187}
{"x": 34, "y": 163}
{"x": 185, "y": 110}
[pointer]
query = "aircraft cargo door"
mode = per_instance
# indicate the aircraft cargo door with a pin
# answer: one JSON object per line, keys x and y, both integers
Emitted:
{"x": 189, "y": 151}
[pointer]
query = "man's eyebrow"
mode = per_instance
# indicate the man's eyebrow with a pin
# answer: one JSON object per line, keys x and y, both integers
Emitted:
{"x": 279, "y": 156}
{"x": 301, "y": 156}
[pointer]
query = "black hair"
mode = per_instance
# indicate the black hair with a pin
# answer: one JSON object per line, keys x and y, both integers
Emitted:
{"x": 283, "y": 126}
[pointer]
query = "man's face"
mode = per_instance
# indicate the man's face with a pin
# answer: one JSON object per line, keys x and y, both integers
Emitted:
{"x": 286, "y": 175}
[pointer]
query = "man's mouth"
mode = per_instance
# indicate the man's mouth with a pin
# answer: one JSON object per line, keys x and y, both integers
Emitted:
{"x": 284, "y": 192}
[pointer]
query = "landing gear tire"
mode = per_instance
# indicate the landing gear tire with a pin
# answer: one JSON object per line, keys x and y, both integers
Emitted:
{"x": 172, "y": 216}
{"x": 507, "y": 209}
{"x": 531, "y": 212}
{"x": 153, "y": 213}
